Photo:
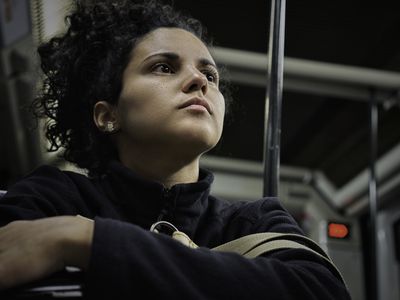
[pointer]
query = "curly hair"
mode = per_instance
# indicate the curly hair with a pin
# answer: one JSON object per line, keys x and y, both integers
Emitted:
{"x": 85, "y": 65}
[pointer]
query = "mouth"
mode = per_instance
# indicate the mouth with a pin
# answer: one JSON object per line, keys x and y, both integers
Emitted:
{"x": 197, "y": 103}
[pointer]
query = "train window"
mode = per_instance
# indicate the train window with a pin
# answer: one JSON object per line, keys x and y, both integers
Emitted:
{"x": 396, "y": 233}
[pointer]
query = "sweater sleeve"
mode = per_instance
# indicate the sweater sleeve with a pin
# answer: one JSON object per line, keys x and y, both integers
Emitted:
{"x": 128, "y": 261}
{"x": 45, "y": 192}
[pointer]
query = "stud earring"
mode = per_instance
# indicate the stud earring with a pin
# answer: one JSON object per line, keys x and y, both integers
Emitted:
{"x": 110, "y": 127}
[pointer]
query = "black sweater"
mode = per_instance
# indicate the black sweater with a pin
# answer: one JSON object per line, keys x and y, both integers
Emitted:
{"x": 127, "y": 260}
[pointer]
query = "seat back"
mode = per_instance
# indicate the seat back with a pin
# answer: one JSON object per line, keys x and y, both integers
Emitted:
{"x": 2, "y": 193}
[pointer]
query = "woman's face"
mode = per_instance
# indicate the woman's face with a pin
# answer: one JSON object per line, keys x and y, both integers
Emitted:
{"x": 170, "y": 96}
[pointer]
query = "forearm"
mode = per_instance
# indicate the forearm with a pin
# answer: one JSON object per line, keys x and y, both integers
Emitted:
{"x": 45, "y": 245}
{"x": 127, "y": 260}
{"x": 76, "y": 242}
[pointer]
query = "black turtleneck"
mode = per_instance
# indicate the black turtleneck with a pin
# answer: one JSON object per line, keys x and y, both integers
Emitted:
{"x": 129, "y": 261}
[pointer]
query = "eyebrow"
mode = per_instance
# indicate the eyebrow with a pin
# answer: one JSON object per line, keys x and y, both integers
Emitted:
{"x": 173, "y": 56}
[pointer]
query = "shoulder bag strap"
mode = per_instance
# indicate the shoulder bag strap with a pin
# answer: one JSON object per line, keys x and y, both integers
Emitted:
{"x": 257, "y": 244}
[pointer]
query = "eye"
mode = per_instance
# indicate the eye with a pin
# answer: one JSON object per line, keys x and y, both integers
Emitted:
{"x": 162, "y": 68}
{"x": 211, "y": 75}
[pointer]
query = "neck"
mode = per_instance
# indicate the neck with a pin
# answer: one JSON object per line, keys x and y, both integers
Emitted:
{"x": 165, "y": 169}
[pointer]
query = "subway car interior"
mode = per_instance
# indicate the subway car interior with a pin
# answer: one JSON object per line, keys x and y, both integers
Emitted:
{"x": 339, "y": 170}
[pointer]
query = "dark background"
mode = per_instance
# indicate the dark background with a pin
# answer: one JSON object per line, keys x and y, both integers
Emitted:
{"x": 319, "y": 133}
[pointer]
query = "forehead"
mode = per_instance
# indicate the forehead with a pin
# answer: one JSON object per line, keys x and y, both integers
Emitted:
{"x": 177, "y": 40}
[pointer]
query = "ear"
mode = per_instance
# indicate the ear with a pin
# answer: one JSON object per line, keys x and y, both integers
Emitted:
{"x": 104, "y": 115}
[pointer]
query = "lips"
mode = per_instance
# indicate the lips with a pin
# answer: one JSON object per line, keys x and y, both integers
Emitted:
{"x": 197, "y": 101}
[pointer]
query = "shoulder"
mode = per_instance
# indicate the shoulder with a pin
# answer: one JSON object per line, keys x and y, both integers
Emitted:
{"x": 46, "y": 191}
{"x": 263, "y": 215}
{"x": 44, "y": 185}
{"x": 47, "y": 176}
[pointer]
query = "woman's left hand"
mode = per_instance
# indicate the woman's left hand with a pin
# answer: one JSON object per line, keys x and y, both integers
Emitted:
{"x": 30, "y": 250}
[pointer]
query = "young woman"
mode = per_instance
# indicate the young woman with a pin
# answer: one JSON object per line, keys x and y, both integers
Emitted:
{"x": 135, "y": 97}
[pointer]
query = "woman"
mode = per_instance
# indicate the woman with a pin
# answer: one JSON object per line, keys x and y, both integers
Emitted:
{"x": 135, "y": 98}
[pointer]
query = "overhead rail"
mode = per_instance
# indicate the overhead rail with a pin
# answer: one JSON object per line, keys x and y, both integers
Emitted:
{"x": 353, "y": 195}
{"x": 356, "y": 190}
{"x": 313, "y": 77}
{"x": 253, "y": 168}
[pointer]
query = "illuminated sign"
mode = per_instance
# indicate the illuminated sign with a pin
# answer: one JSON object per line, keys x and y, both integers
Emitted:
{"x": 338, "y": 230}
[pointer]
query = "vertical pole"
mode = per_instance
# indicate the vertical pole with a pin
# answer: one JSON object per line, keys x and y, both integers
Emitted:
{"x": 273, "y": 101}
{"x": 373, "y": 129}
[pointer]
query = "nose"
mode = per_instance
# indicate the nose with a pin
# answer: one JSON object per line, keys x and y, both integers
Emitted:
{"x": 195, "y": 81}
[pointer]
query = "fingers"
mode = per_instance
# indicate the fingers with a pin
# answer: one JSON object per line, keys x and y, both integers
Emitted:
{"x": 30, "y": 250}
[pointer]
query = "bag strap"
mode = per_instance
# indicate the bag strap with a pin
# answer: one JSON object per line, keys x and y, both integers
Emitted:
{"x": 248, "y": 242}
{"x": 257, "y": 244}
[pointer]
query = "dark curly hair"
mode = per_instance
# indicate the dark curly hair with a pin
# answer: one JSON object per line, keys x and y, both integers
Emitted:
{"x": 85, "y": 65}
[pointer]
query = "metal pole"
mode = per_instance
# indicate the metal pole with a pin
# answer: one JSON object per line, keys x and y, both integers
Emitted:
{"x": 273, "y": 102}
{"x": 373, "y": 126}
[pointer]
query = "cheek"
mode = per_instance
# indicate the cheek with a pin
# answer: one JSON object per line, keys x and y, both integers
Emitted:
{"x": 220, "y": 110}
{"x": 135, "y": 100}
{"x": 141, "y": 108}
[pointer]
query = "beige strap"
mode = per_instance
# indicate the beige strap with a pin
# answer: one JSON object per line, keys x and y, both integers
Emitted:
{"x": 257, "y": 244}
{"x": 246, "y": 243}
{"x": 285, "y": 244}
{"x": 276, "y": 245}
{"x": 254, "y": 245}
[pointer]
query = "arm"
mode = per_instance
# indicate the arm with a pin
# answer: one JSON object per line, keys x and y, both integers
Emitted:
{"x": 30, "y": 250}
{"x": 46, "y": 192}
{"x": 127, "y": 260}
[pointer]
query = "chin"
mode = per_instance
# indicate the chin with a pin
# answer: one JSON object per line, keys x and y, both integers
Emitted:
{"x": 198, "y": 143}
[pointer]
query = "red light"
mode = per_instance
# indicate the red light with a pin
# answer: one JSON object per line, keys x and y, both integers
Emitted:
{"x": 337, "y": 231}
